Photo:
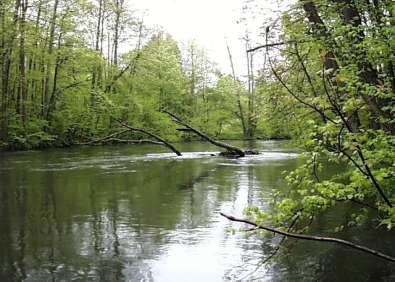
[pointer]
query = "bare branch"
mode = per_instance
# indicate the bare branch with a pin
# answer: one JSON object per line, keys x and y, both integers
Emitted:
{"x": 167, "y": 144}
{"x": 273, "y": 45}
{"x": 314, "y": 238}
{"x": 105, "y": 138}
{"x": 229, "y": 148}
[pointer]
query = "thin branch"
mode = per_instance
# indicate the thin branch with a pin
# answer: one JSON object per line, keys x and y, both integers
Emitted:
{"x": 367, "y": 172}
{"x": 275, "y": 250}
{"x": 345, "y": 153}
{"x": 131, "y": 65}
{"x": 309, "y": 79}
{"x": 267, "y": 45}
{"x": 165, "y": 143}
{"x": 315, "y": 108}
{"x": 315, "y": 170}
{"x": 105, "y": 138}
{"x": 314, "y": 238}
{"x": 132, "y": 141}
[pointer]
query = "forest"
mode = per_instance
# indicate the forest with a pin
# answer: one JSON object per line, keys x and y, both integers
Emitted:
{"x": 63, "y": 79}
{"x": 322, "y": 76}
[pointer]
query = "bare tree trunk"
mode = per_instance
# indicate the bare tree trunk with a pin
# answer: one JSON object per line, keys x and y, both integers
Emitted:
{"x": 6, "y": 65}
{"x": 50, "y": 52}
{"x": 58, "y": 64}
{"x": 102, "y": 30}
{"x": 250, "y": 128}
{"x": 239, "y": 105}
{"x": 117, "y": 28}
{"x": 109, "y": 49}
{"x": 52, "y": 100}
{"x": 96, "y": 68}
{"x": 251, "y": 94}
{"x": 22, "y": 91}
{"x": 192, "y": 80}
{"x": 112, "y": 138}
{"x": 32, "y": 65}
{"x": 167, "y": 144}
{"x": 3, "y": 123}
{"x": 232, "y": 150}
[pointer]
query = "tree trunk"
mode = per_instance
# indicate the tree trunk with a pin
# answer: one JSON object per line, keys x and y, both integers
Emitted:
{"x": 117, "y": 28}
{"x": 6, "y": 65}
{"x": 167, "y": 144}
{"x": 22, "y": 91}
{"x": 96, "y": 68}
{"x": 251, "y": 122}
{"x": 3, "y": 123}
{"x": 239, "y": 105}
{"x": 32, "y": 65}
{"x": 49, "y": 59}
{"x": 367, "y": 72}
{"x": 320, "y": 32}
{"x": 52, "y": 100}
{"x": 231, "y": 150}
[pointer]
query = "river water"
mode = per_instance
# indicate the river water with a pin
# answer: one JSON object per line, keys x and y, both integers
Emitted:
{"x": 138, "y": 213}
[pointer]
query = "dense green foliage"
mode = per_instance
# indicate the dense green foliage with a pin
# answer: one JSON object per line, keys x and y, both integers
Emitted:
{"x": 63, "y": 79}
{"x": 333, "y": 88}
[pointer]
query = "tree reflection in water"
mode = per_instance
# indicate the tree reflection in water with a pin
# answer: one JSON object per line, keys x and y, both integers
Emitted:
{"x": 116, "y": 213}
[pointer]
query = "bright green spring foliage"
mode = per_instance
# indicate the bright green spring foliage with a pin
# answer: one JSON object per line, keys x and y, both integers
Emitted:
{"x": 336, "y": 79}
{"x": 67, "y": 71}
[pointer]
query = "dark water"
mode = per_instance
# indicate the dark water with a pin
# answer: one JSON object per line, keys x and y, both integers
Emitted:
{"x": 137, "y": 213}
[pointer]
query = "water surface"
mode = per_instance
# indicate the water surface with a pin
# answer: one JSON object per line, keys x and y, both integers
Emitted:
{"x": 139, "y": 213}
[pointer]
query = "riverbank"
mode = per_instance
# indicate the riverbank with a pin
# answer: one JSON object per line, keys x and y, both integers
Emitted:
{"x": 5, "y": 147}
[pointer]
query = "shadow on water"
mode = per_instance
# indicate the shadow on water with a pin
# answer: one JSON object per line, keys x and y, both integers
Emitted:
{"x": 138, "y": 213}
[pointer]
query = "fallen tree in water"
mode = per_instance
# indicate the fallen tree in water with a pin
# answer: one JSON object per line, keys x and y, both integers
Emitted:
{"x": 112, "y": 139}
{"x": 122, "y": 141}
{"x": 158, "y": 138}
{"x": 231, "y": 151}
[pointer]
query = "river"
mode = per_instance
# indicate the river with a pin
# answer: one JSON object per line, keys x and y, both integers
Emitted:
{"x": 139, "y": 213}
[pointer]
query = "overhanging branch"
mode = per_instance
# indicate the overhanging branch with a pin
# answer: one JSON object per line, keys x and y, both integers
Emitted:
{"x": 313, "y": 238}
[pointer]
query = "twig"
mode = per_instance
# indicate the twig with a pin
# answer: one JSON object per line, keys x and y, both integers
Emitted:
{"x": 132, "y": 141}
{"x": 314, "y": 107}
{"x": 275, "y": 250}
{"x": 273, "y": 44}
{"x": 105, "y": 138}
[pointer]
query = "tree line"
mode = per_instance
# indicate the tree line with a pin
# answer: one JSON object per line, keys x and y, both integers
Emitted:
{"x": 65, "y": 65}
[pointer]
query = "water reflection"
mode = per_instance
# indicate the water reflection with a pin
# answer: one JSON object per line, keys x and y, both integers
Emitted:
{"x": 128, "y": 214}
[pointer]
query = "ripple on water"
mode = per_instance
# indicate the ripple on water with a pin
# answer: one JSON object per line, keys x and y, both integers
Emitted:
{"x": 117, "y": 163}
{"x": 251, "y": 160}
